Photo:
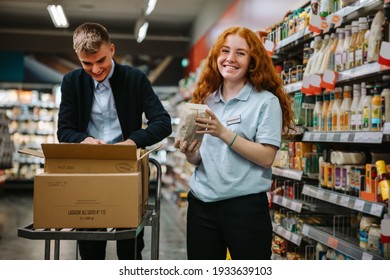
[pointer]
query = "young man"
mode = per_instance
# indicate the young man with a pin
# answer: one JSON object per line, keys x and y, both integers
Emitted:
{"x": 103, "y": 103}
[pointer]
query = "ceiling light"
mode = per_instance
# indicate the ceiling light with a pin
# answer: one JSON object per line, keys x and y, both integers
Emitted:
{"x": 58, "y": 16}
{"x": 150, "y": 7}
{"x": 142, "y": 32}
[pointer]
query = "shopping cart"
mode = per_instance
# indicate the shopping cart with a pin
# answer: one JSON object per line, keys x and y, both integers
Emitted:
{"x": 150, "y": 218}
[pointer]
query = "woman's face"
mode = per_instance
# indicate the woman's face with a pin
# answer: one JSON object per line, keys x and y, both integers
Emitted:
{"x": 233, "y": 60}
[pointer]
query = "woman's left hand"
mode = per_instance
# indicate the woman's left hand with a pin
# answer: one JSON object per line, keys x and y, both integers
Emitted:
{"x": 210, "y": 125}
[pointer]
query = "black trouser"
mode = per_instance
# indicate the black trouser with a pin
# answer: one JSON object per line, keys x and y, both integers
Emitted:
{"x": 96, "y": 250}
{"x": 242, "y": 224}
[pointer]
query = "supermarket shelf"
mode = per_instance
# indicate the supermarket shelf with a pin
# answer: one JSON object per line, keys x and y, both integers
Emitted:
{"x": 375, "y": 209}
{"x": 287, "y": 173}
{"x": 288, "y": 203}
{"x": 338, "y": 244}
{"x": 362, "y": 137}
{"x": 290, "y": 236}
{"x": 358, "y": 72}
{"x": 347, "y": 13}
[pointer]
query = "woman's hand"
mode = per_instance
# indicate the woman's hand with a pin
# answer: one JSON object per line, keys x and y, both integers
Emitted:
{"x": 211, "y": 126}
{"x": 190, "y": 150}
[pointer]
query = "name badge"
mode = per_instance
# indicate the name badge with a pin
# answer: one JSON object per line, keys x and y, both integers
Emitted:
{"x": 233, "y": 120}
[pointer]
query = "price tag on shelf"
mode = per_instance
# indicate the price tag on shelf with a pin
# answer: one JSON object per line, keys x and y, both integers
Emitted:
{"x": 288, "y": 235}
{"x": 344, "y": 137}
{"x": 344, "y": 201}
{"x": 386, "y": 128}
{"x": 366, "y": 256}
{"x": 305, "y": 230}
{"x": 329, "y": 79}
{"x": 315, "y": 24}
{"x": 359, "y": 205}
{"x": 376, "y": 209}
{"x": 329, "y": 137}
{"x": 288, "y": 204}
{"x": 279, "y": 199}
{"x": 305, "y": 85}
{"x": 269, "y": 46}
{"x": 336, "y": 20}
{"x": 315, "y": 83}
{"x": 296, "y": 207}
{"x": 333, "y": 242}
{"x": 320, "y": 194}
{"x": 333, "y": 198}
{"x": 316, "y": 136}
{"x": 384, "y": 54}
{"x": 295, "y": 239}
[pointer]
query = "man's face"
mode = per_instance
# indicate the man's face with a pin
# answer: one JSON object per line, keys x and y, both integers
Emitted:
{"x": 98, "y": 65}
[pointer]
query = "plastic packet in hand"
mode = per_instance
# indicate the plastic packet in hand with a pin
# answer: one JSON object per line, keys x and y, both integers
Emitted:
{"x": 186, "y": 130}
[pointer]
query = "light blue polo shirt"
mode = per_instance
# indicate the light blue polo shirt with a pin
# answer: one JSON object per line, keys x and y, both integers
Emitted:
{"x": 223, "y": 173}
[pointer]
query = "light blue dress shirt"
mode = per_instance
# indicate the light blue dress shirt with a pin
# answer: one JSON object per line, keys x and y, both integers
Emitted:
{"x": 224, "y": 174}
{"x": 104, "y": 123}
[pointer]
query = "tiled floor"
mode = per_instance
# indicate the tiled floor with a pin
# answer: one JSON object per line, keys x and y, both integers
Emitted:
{"x": 16, "y": 212}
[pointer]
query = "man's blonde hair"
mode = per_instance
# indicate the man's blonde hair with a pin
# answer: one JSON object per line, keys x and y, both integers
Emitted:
{"x": 89, "y": 37}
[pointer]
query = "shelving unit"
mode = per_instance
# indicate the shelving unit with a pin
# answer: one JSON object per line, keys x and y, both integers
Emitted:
{"x": 32, "y": 110}
{"x": 314, "y": 198}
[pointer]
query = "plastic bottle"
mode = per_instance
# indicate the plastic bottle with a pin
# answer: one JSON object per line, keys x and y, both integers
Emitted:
{"x": 359, "y": 115}
{"x": 320, "y": 55}
{"x": 328, "y": 53}
{"x": 376, "y": 110}
{"x": 345, "y": 109}
{"x": 354, "y": 106}
{"x": 324, "y": 113}
{"x": 338, "y": 54}
{"x": 352, "y": 45}
{"x": 366, "y": 38}
{"x": 317, "y": 113}
{"x": 321, "y": 250}
{"x": 383, "y": 180}
{"x": 338, "y": 99}
{"x": 347, "y": 42}
{"x": 311, "y": 63}
{"x": 385, "y": 99}
{"x": 360, "y": 48}
{"x": 367, "y": 109}
{"x": 328, "y": 123}
{"x": 325, "y": 8}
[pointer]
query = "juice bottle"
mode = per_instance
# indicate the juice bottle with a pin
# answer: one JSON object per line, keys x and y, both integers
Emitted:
{"x": 324, "y": 113}
{"x": 352, "y": 45}
{"x": 317, "y": 113}
{"x": 345, "y": 109}
{"x": 376, "y": 111}
{"x": 347, "y": 42}
{"x": 385, "y": 99}
{"x": 338, "y": 54}
{"x": 359, "y": 115}
{"x": 360, "y": 48}
{"x": 354, "y": 106}
{"x": 338, "y": 99}
{"x": 367, "y": 109}
{"x": 328, "y": 123}
{"x": 383, "y": 179}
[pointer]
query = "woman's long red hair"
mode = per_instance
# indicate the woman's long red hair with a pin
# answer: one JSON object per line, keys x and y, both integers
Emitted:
{"x": 262, "y": 73}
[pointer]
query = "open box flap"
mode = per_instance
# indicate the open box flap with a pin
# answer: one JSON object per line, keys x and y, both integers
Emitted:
{"x": 87, "y": 151}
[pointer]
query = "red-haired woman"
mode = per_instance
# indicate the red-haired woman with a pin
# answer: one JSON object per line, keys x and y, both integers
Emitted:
{"x": 227, "y": 202}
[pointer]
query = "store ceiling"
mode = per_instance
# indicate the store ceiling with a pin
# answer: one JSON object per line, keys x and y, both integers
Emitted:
{"x": 25, "y": 26}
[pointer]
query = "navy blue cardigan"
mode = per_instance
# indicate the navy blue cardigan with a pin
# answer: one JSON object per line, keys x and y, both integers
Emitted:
{"x": 133, "y": 96}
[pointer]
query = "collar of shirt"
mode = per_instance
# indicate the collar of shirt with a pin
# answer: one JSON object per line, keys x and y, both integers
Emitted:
{"x": 106, "y": 81}
{"x": 243, "y": 95}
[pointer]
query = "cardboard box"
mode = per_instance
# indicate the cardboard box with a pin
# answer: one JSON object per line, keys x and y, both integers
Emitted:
{"x": 87, "y": 200}
{"x": 73, "y": 163}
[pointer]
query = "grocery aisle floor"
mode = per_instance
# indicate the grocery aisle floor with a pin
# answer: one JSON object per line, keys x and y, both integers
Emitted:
{"x": 16, "y": 212}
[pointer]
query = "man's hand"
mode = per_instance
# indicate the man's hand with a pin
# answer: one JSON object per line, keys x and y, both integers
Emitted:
{"x": 127, "y": 142}
{"x": 91, "y": 140}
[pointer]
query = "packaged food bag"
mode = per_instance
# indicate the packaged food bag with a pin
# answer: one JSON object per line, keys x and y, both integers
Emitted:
{"x": 186, "y": 130}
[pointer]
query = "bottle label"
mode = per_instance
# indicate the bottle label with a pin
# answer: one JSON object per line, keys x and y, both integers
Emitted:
{"x": 351, "y": 59}
{"x": 359, "y": 57}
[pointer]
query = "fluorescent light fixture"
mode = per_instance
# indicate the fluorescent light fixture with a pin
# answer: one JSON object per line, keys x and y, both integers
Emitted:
{"x": 142, "y": 32}
{"x": 58, "y": 16}
{"x": 150, "y": 7}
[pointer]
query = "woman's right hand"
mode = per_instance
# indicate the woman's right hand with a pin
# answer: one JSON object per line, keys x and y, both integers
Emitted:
{"x": 191, "y": 151}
